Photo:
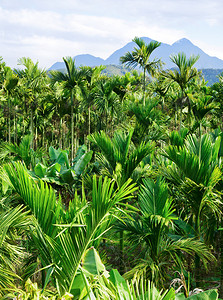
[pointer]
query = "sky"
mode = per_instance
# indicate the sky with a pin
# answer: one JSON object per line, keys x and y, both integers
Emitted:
{"x": 47, "y": 30}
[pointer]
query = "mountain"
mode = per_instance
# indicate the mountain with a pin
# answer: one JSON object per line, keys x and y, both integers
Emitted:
{"x": 80, "y": 60}
{"x": 163, "y": 52}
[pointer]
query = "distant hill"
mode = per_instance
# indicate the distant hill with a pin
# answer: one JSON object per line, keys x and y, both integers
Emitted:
{"x": 81, "y": 60}
{"x": 211, "y": 75}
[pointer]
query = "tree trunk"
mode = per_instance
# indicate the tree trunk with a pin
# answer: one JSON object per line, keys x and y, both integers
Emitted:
{"x": 144, "y": 87}
{"x": 61, "y": 134}
{"x": 221, "y": 266}
{"x": 16, "y": 127}
{"x": 31, "y": 128}
{"x": 121, "y": 243}
{"x": 72, "y": 127}
{"x": 9, "y": 120}
{"x": 89, "y": 125}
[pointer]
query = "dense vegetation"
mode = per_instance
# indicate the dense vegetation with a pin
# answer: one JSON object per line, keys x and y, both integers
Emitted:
{"x": 108, "y": 175}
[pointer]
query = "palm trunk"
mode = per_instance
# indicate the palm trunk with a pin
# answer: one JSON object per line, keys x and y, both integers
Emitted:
{"x": 121, "y": 243}
{"x": 61, "y": 134}
{"x": 197, "y": 258}
{"x": 36, "y": 137}
{"x": 144, "y": 87}
{"x": 14, "y": 127}
{"x": 31, "y": 128}
{"x": 43, "y": 135}
{"x": 89, "y": 125}
{"x": 72, "y": 127}
{"x": 9, "y": 120}
{"x": 221, "y": 264}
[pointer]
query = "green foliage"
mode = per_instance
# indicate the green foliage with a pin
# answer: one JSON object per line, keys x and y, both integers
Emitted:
{"x": 206, "y": 295}
{"x": 62, "y": 237}
{"x": 119, "y": 158}
{"x": 149, "y": 230}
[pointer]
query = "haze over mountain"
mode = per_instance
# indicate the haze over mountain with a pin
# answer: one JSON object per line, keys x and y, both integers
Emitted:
{"x": 163, "y": 52}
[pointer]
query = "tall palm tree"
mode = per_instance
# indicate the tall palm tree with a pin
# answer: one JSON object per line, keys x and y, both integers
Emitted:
{"x": 90, "y": 91}
{"x": 33, "y": 80}
{"x": 72, "y": 80}
{"x": 9, "y": 85}
{"x": 107, "y": 101}
{"x": 140, "y": 56}
{"x": 183, "y": 76}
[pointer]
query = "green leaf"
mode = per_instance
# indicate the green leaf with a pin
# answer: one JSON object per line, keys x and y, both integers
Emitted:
{"x": 53, "y": 153}
{"x": 40, "y": 170}
{"x": 180, "y": 296}
{"x": 170, "y": 295}
{"x": 59, "y": 156}
{"x": 92, "y": 263}
{"x": 80, "y": 152}
{"x": 53, "y": 170}
{"x": 68, "y": 177}
{"x": 206, "y": 295}
{"x": 120, "y": 284}
{"x": 82, "y": 163}
{"x": 5, "y": 187}
{"x": 63, "y": 158}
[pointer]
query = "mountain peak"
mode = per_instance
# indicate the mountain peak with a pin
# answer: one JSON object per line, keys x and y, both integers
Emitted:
{"x": 182, "y": 41}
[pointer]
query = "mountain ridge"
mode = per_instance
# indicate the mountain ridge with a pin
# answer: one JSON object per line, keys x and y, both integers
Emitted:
{"x": 163, "y": 52}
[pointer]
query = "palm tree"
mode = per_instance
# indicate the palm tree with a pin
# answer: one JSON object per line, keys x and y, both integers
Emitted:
{"x": 13, "y": 223}
{"x": 194, "y": 170}
{"x": 201, "y": 106}
{"x": 33, "y": 80}
{"x": 22, "y": 152}
{"x": 150, "y": 230}
{"x": 72, "y": 80}
{"x": 62, "y": 236}
{"x": 183, "y": 76}
{"x": 9, "y": 85}
{"x": 148, "y": 119}
{"x": 119, "y": 158}
{"x": 141, "y": 57}
{"x": 106, "y": 101}
{"x": 90, "y": 92}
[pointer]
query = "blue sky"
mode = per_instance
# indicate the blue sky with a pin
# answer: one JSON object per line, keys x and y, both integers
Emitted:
{"x": 47, "y": 30}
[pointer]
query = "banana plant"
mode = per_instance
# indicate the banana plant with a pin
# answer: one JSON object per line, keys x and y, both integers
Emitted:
{"x": 60, "y": 171}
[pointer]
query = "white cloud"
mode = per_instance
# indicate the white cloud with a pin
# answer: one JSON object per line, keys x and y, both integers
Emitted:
{"x": 49, "y": 30}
